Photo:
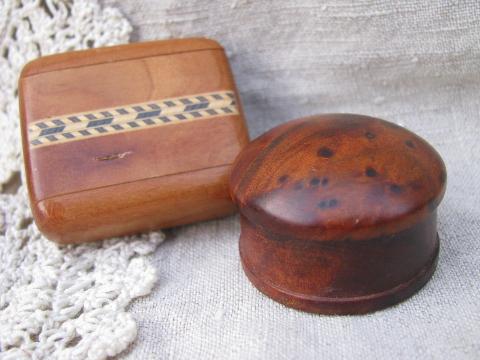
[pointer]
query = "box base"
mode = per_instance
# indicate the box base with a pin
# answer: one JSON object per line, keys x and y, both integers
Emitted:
{"x": 345, "y": 306}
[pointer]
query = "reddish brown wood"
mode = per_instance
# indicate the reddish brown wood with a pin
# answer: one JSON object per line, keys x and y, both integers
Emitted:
{"x": 131, "y": 181}
{"x": 338, "y": 212}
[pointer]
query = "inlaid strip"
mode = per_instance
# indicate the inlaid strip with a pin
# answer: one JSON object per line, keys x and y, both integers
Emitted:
{"x": 80, "y": 126}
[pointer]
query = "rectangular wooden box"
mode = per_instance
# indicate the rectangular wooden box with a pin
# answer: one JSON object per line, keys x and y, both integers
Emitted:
{"x": 129, "y": 138}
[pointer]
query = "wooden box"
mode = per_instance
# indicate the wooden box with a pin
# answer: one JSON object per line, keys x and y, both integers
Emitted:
{"x": 338, "y": 212}
{"x": 129, "y": 138}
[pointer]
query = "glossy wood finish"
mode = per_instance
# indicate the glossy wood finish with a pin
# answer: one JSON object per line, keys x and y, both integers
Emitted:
{"x": 131, "y": 181}
{"x": 338, "y": 212}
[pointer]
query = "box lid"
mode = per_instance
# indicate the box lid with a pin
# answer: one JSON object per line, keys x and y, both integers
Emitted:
{"x": 127, "y": 113}
{"x": 117, "y": 53}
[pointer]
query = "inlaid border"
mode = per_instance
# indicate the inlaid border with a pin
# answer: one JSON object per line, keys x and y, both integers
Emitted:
{"x": 108, "y": 121}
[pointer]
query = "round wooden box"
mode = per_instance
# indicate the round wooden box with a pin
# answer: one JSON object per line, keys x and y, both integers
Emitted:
{"x": 338, "y": 213}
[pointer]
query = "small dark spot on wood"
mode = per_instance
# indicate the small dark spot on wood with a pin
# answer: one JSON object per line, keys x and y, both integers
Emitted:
{"x": 327, "y": 204}
{"x": 370, "y": 172}
{"x": 322, "y": 204}
{"x": 314, "y": 181}
{"x": 283, "y": 179}
{"x": 410, "y": 144}
{"x": 369, "y": 135}
{"x": 396, "y": 189}
{"x": 325, "y": 152}
{"x": 298, "y": 185}
{"x": 325, "y": 181}
{"x": 332, "y": 203}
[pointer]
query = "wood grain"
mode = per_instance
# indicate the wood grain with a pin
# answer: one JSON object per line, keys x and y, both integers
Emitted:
{"x": 338, "y": 212}
{"x": 106, "y": 186}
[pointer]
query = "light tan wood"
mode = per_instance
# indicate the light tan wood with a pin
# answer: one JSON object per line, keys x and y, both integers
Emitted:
{"x": 143, "y": 205}
{"x": 131, "y": 181}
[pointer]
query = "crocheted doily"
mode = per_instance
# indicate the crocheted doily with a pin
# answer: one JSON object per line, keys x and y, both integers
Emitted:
{"x": 56, "y": 301}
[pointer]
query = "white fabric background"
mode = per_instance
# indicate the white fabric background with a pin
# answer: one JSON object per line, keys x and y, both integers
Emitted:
{"x": 414, "y": 62}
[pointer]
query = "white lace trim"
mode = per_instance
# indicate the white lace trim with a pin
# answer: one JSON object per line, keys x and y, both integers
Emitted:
{"x": 63, "y": 302}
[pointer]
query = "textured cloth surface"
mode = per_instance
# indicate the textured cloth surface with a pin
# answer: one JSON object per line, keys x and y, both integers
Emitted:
{"x": 413, "y": 62}
{"x": 59, "y": 302}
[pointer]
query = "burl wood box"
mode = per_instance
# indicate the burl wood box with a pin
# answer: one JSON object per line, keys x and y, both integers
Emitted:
{"x": 338, "y": 212}
{"x": 129, "y": 138}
